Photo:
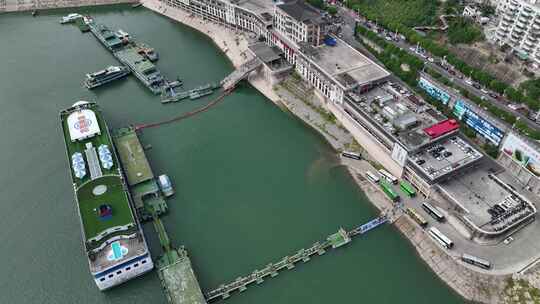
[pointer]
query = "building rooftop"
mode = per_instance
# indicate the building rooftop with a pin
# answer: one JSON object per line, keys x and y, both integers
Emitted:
{"x": 442, "y": 128}
{"x": 397, "y": 116}
{"x": 444, "y": 157}
{"x": 488, "y": 199}
{"x": 264, "y": 8}
{"x": 265, "y": 52}
{"x": 301, "y": 11}
{"x": 348, "y": 66}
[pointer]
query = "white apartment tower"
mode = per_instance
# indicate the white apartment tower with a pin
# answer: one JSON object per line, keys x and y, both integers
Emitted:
{"x": 519, "y": 26}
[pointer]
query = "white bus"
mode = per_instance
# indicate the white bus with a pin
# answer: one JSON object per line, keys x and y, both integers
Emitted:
{"x": 475, "y": 261}
{"x": 389, "y": 177}
{"x": 436, "y": 214}
{"x": 372, "y": 177}
{"x": 440, "y": 238}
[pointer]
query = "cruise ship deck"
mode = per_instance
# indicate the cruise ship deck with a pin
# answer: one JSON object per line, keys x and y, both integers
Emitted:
{"x": 112, "y": 235}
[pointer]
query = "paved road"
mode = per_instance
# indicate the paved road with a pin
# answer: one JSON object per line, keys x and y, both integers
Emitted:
{"x": 349, "y": 20}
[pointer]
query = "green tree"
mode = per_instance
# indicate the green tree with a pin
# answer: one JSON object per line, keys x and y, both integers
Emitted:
{"x": 491, "y": 150}
{"x": 332, "y": 10}
{"x": 462, "y": 30}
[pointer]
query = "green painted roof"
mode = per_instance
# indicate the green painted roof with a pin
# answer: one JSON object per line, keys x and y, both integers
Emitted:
{"x": 133, "y": 157}
{"x": 136, "y": 60}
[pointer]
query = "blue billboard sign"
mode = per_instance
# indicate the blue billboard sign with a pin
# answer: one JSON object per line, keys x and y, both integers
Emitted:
{"x": 464, "y": 113}
{"x": 434, "y": 91}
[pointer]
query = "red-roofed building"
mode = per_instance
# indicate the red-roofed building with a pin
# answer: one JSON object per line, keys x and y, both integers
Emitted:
{"x": 441, "y": 128}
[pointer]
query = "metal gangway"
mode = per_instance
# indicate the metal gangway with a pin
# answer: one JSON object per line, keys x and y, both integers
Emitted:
{"x": 240, "y": 73}
{"x": 288, "y": 262}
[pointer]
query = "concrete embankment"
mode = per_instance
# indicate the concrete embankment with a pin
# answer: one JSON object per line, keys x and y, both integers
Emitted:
{"x": 30, "y": 5}
{"x": 474, "y": 286}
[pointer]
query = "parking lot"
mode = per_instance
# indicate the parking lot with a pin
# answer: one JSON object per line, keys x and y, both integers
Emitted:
{"x": 445, "y": 157}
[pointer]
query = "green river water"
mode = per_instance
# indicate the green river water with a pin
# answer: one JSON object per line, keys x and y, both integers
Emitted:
{"x": 253, "y": 183}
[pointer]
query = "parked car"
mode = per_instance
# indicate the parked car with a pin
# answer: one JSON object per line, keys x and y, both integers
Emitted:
{"x": 508, "y": 240}
{"x": 493, "y": 95}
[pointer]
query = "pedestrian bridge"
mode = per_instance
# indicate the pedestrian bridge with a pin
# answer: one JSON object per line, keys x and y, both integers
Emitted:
{"x": 338, "y": 239}
{"x": 240, "y": 73}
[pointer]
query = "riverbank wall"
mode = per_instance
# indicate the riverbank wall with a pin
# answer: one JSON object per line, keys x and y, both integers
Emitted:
{"x": 30, "y": 5}
{"x": 471, "y": 285}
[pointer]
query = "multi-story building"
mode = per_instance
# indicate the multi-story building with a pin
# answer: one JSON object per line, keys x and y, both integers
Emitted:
{"x": 519, "y": 27}
{"x": 252, "y": 16}
{"x": 299, "y": 22}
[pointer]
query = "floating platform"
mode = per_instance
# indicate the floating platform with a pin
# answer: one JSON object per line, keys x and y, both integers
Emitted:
{"x": 128, "y": 53}
{"x": 141, "y": 67}
{"x": 147, "y": 196}
{"x": 339, "y": 238}
{"x": 172, "y": 95}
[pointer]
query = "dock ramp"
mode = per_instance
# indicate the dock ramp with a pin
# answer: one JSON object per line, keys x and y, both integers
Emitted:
{"x": 178, "y": 279}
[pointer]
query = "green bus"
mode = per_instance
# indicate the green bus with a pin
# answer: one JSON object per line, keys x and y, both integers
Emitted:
{"x": 387, "y": 189}
{"x": 407, "y": 188}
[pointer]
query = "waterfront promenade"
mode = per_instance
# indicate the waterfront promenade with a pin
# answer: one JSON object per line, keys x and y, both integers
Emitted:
{"x": 234, "y": 44}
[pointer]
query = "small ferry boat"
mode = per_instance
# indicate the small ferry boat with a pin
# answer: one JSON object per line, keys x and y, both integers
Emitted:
{"x": 34, "y": 13}
{"x": 135, "y": 5}
{"x": 174, "y": 84}
{"x": 70, "y": 18}
{"x": 199, "y": 94}
{"x": 149, "y": 53}
{"x": 165, "y": 185}
{"x": 102, "y": 77}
